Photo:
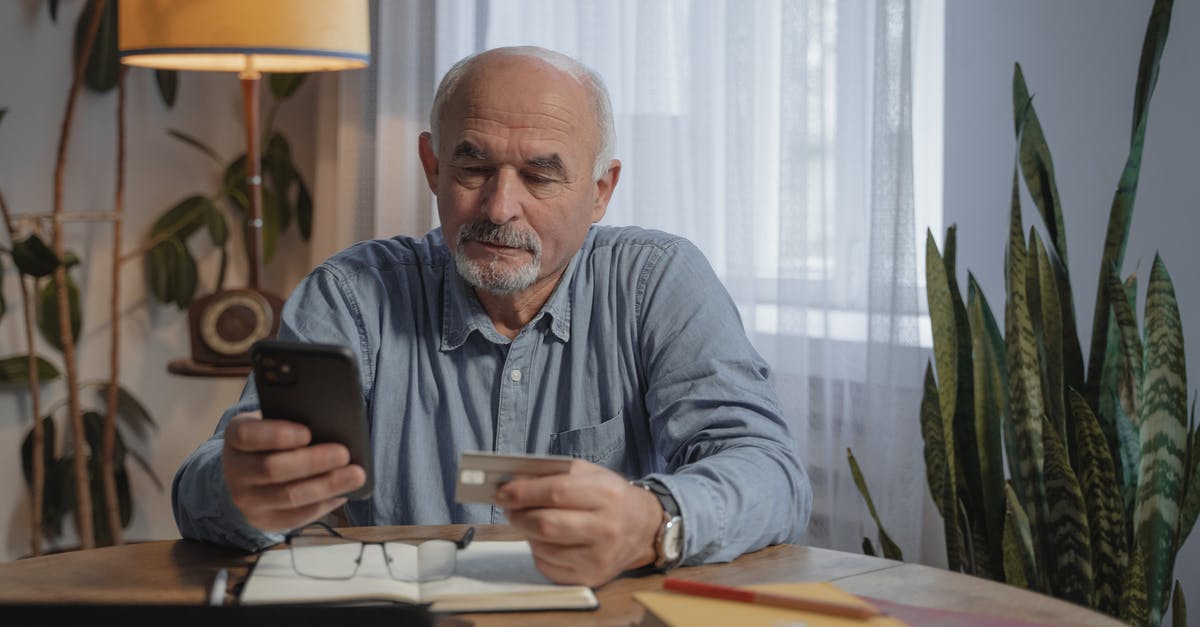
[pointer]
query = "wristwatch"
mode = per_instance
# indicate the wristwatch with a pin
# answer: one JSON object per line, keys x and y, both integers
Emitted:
{"x": 668, "y": 544}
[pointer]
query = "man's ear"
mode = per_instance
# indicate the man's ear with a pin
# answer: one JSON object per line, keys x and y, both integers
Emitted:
{"x": 429, "y": 160}
{"x": 604, "y": 189}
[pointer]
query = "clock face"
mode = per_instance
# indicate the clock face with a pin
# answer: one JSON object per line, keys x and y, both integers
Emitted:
{"x": 234, "y": 321}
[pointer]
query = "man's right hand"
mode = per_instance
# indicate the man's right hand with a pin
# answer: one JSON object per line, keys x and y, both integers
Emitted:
{"x": 277, "y": 480}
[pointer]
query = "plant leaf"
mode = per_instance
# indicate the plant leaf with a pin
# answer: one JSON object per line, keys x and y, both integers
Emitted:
{"x": 183, "y": 219}
{"x": 1191, "y": 498}
{"x": 33, "y": 257}
{"x": 186, "y": 277}
{"x": 1135, "y": 607}
{"x": 1105, "y": 509}
{"x": 1178, "y": 607}
{"x": 1020, "y": 567}
{"x": 890, "y": 550}
{"x": 49, "y": 448}
{"x": 938, "y": 473}
{"x": 945, "y": 338}
{"x": 277, "y": 163}
{"x": 168, "y": 85}
{"x": 991, "y": 407}
{"x": 868, "y": 548}
{"x": 103, "y": 66}
{"x": 1131, "y": 344}
{"x": 1042, "y": 292}
{"x": 53, "y": 10}
{"x": 218, "y": 228}
{"x": 1070, "y": 533}
{"x": 196, "y": 143}
{"x": 1121, "y": 213}
{"x": 1026, "y": 460}
{"x": 271, "y": 225}
{"x": 1163, "y": 438}
{"x": 1038, "y": 167}
{"x": 129, "y": 409}
{"x": 284, "y": 84}
{"x": 304, "y": 209}
{"x": 48, "y": 312}
{"x": 3, "y": 305}
{"x": 15, "y": 370}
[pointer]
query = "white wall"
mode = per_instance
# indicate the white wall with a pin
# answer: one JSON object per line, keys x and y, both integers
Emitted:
{"x": 34, "y": 79}
{"x": 1080, "y": 60}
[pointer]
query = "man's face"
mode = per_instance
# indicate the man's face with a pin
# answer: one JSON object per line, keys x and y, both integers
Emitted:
{"x": 513, "y": 174}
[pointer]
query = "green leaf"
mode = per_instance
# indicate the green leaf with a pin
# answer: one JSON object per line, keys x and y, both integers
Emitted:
{"x": 196, "y": 143}
{"x": 890, "y": 549}
{"x": 53, "y": 10}
{"x": 15, "y": 370}
{"x": 991, "y": 407}
{"x": 1020, "y": 567}
{"x": 33, "y": 257}
{"x": 1026, "y": 408}
{"x": 234, "y": 184}
{"x": 172, "y": 273}
{"x": 218, "y": 228}
{"x": 938, "y": 470}
{"x": 277, "y": 163}
{"x": 945, "y": 337}
{"x": 130, "y": 410}
{"x": 185, "y": 278}
{"x": 103, "y": 66}
{"x": 1191, "y": 499}
{"x": 868, "y": 548}
{"x": 49, "y": 441}
{"x": 304, "y": 209}
{"x": 48, "y": 312}
{"x": 1178, "y": 607}
{"x": 1131, "y": 344}
{"x": 284, "y": 85}
{"x": 168, "y": 85}
{"x": 1163, "y": 438}
{"x": 271, "y": 224}
{"x": 3, "y": 305}
{"x": 1038, "y": 167}
{"x": 1121, "y": 214}
{"x": 1042, "y": 291}
{"x": 1068, "y": 524}
{"x": 1135, "y": 607}
{"x": 1105, "y": 509}
{"x": 183, "y": 219}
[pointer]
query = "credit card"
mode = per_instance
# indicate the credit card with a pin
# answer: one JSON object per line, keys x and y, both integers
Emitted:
{"x": 481, "y": 473}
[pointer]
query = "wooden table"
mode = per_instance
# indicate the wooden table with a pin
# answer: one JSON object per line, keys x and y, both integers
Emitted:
{"x": 181, "y": 571}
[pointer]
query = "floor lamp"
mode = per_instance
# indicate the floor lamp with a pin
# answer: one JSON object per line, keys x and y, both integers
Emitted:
{"x": 248, "y": 37}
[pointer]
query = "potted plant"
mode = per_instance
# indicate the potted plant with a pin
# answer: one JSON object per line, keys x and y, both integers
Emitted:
{"x": 1104, "y": 458}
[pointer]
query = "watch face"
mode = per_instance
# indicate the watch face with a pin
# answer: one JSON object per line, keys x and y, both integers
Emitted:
{"x": 235, "y": 320}
{"x": 672, "y": 541}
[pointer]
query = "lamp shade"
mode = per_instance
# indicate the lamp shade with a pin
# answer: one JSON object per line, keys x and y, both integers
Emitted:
{"x": 238, "y": 35}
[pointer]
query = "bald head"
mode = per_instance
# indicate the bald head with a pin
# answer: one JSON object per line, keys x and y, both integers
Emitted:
{"x": 558, "y": 66}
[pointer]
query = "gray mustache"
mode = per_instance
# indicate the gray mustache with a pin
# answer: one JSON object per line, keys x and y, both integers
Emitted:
{"x": 501, "y": 235}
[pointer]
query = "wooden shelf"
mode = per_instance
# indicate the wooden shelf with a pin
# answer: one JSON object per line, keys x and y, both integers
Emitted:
{"x": 185, "y": 367}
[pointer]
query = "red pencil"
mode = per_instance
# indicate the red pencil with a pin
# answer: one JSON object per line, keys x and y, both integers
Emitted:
{"x": 698, "y": 588}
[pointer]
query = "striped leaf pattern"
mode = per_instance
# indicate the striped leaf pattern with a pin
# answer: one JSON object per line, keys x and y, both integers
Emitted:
{"x": 1020, "y": 567}
{"x": 1135, "y": 607}
{"x": 1024, "y": 381}
{"x": 890, "y": 549}
{"x": 945, "y": 334}
{"x": 1037, "y": 166}
{"x": 1163, "y": 437}
{"x": 1046, "y": 313}
{"x": 991, "y": 406}
{"x": 1191, "y": 492}
{"x": 939, "y": 468}
{"x": 1068, "y": 525}
{"x": 1178, "y": 607}
{"x": 1105, "y": 509}
{"x": 1129, "y": 385}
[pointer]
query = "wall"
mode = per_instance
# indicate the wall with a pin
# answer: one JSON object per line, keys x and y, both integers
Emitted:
{"x": 1080, "y": 61}
{"x": 34, "y": 79}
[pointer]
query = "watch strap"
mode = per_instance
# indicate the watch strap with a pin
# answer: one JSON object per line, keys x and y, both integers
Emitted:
{"x": 671, "y": 518}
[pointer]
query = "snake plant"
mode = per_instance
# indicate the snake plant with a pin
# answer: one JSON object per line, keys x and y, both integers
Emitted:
{"x": 1103, "y": 460}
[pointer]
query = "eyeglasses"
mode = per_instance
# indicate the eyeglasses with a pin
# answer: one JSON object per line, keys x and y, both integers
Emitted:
{"x": 320, "y": 552}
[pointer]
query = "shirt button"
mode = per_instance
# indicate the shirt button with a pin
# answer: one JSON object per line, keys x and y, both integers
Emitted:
{"x": 515, "y": 375}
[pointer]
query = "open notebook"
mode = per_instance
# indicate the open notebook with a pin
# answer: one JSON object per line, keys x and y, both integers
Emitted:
{"x": 488, "y": 577}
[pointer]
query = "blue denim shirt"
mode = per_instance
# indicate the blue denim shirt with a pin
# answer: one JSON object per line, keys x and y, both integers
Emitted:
{"x": 637, "y": 362}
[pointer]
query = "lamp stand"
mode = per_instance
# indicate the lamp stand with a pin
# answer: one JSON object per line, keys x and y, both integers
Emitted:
{"x": 250, "y": 101}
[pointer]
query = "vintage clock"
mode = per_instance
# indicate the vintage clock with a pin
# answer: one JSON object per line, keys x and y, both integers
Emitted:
{"x": 226, "y": 323}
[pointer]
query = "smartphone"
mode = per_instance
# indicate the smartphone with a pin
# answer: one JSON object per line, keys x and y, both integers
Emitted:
{"x": 318, "y": 386}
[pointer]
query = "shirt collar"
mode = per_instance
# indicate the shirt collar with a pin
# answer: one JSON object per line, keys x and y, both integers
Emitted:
{"x": 462, "y": 313}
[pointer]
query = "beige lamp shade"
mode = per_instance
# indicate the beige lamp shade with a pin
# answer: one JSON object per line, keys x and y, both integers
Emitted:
{"x": 245, "y": 35}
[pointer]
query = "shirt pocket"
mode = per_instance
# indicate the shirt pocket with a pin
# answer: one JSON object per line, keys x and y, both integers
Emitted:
{"x": 602, "y": 444}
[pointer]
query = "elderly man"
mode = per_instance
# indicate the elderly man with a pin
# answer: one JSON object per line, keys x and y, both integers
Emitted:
{"x": 520, "y": 327}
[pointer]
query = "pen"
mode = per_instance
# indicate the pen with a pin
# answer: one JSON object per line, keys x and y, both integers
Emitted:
{"x": 805, "y": 604}
{"x": 216, "y": 595}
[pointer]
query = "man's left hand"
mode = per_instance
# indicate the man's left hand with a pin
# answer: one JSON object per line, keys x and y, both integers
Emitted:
{"x": 585, "y": 526}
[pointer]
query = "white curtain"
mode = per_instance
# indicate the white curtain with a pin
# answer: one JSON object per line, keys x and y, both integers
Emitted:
{"x": 776, "y": 135}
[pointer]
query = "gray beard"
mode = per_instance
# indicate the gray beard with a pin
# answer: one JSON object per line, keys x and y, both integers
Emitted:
{"x": 492, "y": 276}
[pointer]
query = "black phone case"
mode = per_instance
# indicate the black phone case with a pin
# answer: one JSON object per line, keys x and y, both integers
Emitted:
{"x": 318, "y": 386}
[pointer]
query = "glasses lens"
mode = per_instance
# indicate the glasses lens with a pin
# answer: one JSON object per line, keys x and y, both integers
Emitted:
{"x": 436, "y": 559}
{"x": 317, "y": 553}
